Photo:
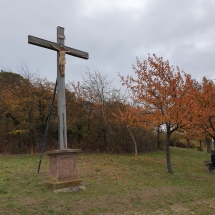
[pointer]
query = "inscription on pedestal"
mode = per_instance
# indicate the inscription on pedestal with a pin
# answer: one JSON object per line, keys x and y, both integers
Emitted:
{"x": 62, "y": 165}
{"x": 66, "y": 167}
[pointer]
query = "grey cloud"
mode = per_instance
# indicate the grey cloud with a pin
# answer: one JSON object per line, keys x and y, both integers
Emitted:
{"x": 113, "y": 36}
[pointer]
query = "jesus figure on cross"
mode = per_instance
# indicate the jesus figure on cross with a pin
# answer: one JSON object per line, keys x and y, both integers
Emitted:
{"x": 62, "y": 58}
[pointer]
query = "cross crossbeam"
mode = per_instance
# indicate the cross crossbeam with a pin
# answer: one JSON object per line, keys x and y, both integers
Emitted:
{"x": 47, "y": 44}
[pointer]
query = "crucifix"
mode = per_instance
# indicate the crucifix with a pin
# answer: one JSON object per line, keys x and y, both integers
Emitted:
{"x": 61, "y": 61}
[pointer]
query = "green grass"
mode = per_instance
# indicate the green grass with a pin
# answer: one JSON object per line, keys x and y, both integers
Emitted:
{"x": 116, "y": 184}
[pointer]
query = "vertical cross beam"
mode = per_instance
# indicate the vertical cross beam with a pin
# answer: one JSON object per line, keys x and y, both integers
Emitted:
{"x": 62, "y": 130}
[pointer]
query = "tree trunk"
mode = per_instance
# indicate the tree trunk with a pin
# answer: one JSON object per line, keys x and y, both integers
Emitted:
{"x": 135, "y": 144}
{"x": 104, "y": 139}
{"x": 168, "y": 160}
{"x": 208, "y": 145}
{"x": 212, "y": 144}
{"x": 32, "y": 150}
{"x": 188, "y": 143}
{"x": 158, "y": 136}
{"x": 200, "y": 145}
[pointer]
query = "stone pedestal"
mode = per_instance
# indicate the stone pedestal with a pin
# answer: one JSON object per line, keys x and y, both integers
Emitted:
{"x": 62, "y": 169}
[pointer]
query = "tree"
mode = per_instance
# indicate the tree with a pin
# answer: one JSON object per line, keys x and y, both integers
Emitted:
{"x": 10, "y": 109}
{"x": 164, "y": 93}
{"x": 96, "y": 91}
{"x": 205, "y": 110}
{"x": 129, "y": 118}
{"x": 24, "y": 111}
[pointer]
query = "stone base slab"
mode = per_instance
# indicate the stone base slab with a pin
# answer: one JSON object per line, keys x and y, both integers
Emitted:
{"x": 70, "y": 189}
{"x": 55, "y": 184}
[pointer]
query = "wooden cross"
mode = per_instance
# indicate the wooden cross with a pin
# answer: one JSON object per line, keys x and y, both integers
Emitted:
{"x": 61, "y": 51}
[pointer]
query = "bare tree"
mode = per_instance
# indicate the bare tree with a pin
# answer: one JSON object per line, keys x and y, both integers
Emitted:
{"x": 97, "y": 89}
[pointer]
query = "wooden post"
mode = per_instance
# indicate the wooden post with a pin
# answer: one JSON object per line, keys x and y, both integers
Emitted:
{"x": 62, "y": 138}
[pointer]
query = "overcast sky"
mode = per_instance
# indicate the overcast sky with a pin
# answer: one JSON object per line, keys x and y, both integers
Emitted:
{"x": 113, "y": 32}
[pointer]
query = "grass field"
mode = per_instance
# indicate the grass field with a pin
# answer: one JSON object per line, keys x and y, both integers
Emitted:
{"x": 116, "y": 184}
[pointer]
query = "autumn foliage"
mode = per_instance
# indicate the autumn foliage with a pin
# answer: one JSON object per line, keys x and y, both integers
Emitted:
{"x": 164, "y": 93}
{"x": 100, "y": 118}
{"x": 91, "y": 126}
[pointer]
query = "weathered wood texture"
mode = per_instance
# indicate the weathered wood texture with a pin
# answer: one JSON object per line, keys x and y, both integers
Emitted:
{"x": 62, "y": 130}
{"x": 46, "y": 44}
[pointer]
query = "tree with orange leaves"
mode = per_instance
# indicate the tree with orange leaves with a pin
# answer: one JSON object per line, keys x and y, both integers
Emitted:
{"x": 131, "y": 117}
{"x": 164, "y": 92}
{"x": 205, "y": 109}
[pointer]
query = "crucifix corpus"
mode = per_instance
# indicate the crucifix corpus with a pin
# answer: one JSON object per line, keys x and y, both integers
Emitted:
{"x": 62, "y": 164}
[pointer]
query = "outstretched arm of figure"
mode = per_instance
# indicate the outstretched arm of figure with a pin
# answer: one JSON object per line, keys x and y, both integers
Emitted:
{"x": 54, "y": 47}
{"x": 68, "y": 51}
